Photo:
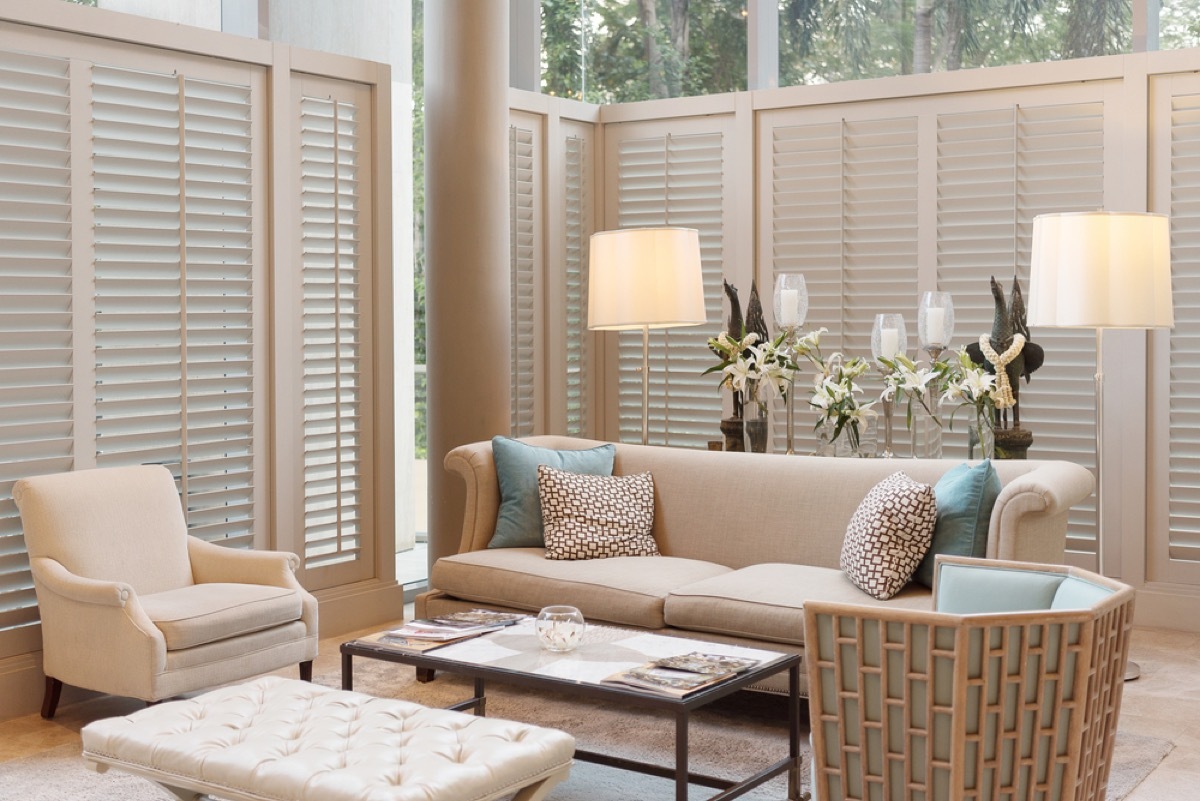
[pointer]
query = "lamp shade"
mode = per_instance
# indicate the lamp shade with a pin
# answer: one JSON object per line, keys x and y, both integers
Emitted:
{"x": 1101, "y": 270}
{"x": 645, "y": 277}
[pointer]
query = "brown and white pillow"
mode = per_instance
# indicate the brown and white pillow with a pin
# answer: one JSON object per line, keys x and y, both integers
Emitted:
{"x": 888, "y": 535}
{"x": 594, "y": 517}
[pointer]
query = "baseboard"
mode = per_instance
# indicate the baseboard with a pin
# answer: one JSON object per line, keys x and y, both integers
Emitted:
{"x": 22, "y": 684}
{"x": 1167, "y": 606}
{"x": 359, "y": 606}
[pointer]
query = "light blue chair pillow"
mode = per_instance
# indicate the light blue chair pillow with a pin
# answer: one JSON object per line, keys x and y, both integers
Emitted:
{"x": 519, "y": 521}
{"x": 965, "y": 497}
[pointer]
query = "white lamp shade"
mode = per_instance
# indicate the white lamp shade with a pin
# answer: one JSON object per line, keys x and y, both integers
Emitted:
{"x": 1101, "y": 270}
{"x": 645, "y": 277}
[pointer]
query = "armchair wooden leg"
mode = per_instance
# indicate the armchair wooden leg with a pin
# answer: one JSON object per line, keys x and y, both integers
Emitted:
{"x": 306, "y": 671}
{"x": 50, "y": 699}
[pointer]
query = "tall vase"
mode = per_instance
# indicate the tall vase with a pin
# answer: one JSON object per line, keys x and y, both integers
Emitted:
{"x": 754, "y": 419}
{"x": 981, "y": 438}
{"x": 925, "y": 434}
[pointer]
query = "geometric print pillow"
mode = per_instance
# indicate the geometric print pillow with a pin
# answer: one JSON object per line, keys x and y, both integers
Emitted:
{"x": 888, "y": 535}
{"x": 593, "y": 517}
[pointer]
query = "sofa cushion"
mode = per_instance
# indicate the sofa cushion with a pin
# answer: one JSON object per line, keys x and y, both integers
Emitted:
{"x": 965, "y": 497}
{"x": 519, "y": 520}
{"x": 596, "y": 517}
{"x": 888, "y": 535}
{"x": 766, "y": 602}
{"x": 204, "y": 613}
{"x": 625, "y": 589}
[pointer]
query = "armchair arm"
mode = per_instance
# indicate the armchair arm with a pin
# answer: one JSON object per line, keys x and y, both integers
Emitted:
{"x": 57, "y": 579}
{"x": 1029, "y": 521}
{"x": 213, "y": 563}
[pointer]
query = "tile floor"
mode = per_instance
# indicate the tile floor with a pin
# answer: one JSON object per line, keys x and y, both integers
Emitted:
{"x": 1164, "y": 702}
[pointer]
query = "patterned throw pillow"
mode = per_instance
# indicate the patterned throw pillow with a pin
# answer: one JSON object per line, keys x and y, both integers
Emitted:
{"x": 889, "y": 533}
{"x": 593, "y": 517}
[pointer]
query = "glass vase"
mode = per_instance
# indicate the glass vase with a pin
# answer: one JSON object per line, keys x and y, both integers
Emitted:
{"x": 755, "y": 424}
{"x": 981, "y": 438}
{"x": 925, "y": 434}
{"x": 560, "y": 628}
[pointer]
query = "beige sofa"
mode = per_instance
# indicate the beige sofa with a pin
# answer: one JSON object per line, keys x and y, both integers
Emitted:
{"x": 746, "y": 540}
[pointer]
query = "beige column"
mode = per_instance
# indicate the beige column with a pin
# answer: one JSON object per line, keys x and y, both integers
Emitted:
{"x": 466, "y": 242}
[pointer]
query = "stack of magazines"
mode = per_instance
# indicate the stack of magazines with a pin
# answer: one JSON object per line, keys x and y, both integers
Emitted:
{"x": 428, "y": 633}
{"x": 684, "y": 674}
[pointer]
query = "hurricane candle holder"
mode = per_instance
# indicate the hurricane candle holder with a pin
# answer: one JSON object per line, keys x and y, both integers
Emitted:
{"x": 935, "y": 323}
{"x": 790, "y": 305}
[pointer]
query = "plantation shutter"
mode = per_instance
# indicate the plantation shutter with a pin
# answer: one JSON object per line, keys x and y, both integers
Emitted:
{"x": 523, "y": 272}
{"x": 844, "y": 213}
{"x": 1178, "y": 558}
{"x": 998, "y": 168}
{"x": 675, "y": 180}
{"x": 36, "y": 373}
{"x": 333, "y": 212}
{"x": 577, "y": 215}
{"x": 174, "y": 289}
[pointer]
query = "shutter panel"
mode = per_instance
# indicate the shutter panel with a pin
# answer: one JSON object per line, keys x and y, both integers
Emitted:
{"x": 1184, "y": 464}
{"x": 36, "y": 434}
{"x": 577, "y": 218}
{"x": 674, "y": 180}
{"x": 523, "y": 266}
{"x": 844, "y": 203}
{"x": 997, "y": 170}
{"x": 330, "y": 206}
{"x": 174, "y": 289}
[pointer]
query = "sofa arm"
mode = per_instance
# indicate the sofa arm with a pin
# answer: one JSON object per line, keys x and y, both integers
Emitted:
{"x": 214, "y": 563}
{"x": 474, "y": 463}
{"x": 1029, "y": 521}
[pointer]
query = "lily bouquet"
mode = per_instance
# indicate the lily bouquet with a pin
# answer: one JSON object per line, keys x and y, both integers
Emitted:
{"x": 906, "y": 379}
{"x": 835, "y": 395}
{"x": 750, "y": 368}
{"x": 968, "y": 384}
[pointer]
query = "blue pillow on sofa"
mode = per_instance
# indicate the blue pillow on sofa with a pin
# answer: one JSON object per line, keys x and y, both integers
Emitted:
{"x": 965, "y": 497}
{"x": 519, "y": 521}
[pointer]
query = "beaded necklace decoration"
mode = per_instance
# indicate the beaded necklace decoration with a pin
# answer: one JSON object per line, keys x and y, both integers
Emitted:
{"x": 1000, "y": 361}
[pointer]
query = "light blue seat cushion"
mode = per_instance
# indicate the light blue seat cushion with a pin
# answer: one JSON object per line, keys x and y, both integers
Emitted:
{"x": 519, "y": 521}
{"x": 965, "y": 497}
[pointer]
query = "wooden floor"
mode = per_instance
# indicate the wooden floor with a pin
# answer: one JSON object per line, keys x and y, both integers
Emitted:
{"x": 1164, "y": 702}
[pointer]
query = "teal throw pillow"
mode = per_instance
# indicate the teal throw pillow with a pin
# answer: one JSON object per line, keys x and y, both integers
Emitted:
{"x": 519, "y": 521}
{"x": 965, "y": 497}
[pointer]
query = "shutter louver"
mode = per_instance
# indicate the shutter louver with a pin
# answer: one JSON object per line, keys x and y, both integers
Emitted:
{"x": 844, "y": 213}
{"x": 1184, "y": 463}
{"x": 173, "y": 274}
{"x": 577, "y": 214}
{"x": 523, "y": 276}
{"x": 36, "y": 432}
{"x": 330, "y": 201}
{"x": 997, "y": 170}
{"x": 675, "y": 180}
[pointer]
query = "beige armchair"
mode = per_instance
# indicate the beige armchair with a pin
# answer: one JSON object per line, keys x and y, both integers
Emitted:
{"x": 1011, "y": 689}
{"x": 132, "y": 605}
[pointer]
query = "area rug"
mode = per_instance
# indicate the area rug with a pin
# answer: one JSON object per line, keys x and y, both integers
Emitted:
{"x": 733, "y": 737}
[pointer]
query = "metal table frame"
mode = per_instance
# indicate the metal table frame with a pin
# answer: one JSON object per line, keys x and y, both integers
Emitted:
{"x": 681, "y": 708}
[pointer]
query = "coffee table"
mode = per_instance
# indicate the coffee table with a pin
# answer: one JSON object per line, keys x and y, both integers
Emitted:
{"x": 514, "y": 656}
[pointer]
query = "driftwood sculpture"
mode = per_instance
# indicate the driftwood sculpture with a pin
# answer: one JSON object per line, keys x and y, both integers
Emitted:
{"x": 1008, "y": 345}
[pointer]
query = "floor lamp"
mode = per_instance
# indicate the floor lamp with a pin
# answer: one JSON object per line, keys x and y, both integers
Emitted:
{"x": 645, "y": 278}
{"x": 1101, "y": 270}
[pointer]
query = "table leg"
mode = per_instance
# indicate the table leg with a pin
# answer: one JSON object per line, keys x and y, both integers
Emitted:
{"x": 347, "y": 671}
{"x": 481, "y": 706}
{"x": 681, "y": 755}
{"x": 794, "y": 788}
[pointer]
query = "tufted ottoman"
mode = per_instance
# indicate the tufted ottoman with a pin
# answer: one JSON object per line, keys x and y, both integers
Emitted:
{"x": 276, "y": 739}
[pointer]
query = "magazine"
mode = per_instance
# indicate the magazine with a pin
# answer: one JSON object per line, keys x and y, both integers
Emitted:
{"x": 708, "y": 664}
{"x": 410, "y": 645}
{"x": 480, "y": 617}
{"x": 456, "y": 625}
{"x": 666, "y": 680}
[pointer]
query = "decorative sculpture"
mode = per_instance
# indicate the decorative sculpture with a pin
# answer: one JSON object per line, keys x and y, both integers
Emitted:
{"x": 1009, "y": 354}
{"x": 731, "y": 427}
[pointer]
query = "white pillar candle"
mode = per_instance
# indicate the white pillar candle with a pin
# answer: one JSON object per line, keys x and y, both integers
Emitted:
{"x": 789, "y": 301}
{"x": 889, "y": 343}
{"x": 935, "y": 325}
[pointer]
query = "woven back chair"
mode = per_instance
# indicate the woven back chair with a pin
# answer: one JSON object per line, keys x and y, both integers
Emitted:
{"x": 1008, "y": 691}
